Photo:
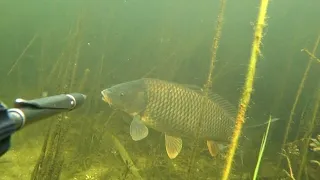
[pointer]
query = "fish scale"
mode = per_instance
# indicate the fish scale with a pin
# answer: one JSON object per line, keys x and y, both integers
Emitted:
{"x": 176, "y": 110}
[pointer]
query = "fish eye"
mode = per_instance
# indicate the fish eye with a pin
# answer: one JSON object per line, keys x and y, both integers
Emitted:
{"x": 121, "y": 94}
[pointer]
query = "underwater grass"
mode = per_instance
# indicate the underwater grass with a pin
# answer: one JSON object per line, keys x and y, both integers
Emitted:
{"x": 301, "y": 122}
{"x": 284, "y": 80}
{"x": 208, "y": 85}
{"x": 297, "y": 97}
{"x": 99, "y": 76}
{"x": 125, "y": 156}
{"x": 290, "y": 173}
{"x": 248, "y": 87}
{"x": 311, "y": 54}
{"x": 215, "y": 45}
{"x": 50, "y": 162}
{"x": 315, "y": 144}
{"x": 308, "y": 135}
{"x": 22, "y": 54}
{"x": 263, "y": 144}
{"x": 84, "y": 80}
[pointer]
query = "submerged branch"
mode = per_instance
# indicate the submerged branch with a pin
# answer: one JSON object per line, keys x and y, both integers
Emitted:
{"x": 125, "y": 157}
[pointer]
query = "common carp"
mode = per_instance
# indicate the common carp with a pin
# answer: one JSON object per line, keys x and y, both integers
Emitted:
{"x": 174, "y": 109}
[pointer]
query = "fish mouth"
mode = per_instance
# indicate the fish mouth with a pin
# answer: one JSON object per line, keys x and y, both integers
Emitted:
{"x": 105, "y": 96}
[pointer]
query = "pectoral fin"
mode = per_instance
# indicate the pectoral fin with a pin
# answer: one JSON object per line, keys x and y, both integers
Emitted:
{"x": 173, "y": 146}
{"x": 213, "y": 148}
{"x": 138, "y": 130}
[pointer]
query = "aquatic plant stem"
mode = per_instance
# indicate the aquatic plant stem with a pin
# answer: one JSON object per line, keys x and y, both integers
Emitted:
{"x": 308, "y": 135}
{"x": 301, "y": 121}
{"x": 305, "y": 75}
{"x": 51, "y": 161}
{"x": 22, "y": 54}
{"x": 77, "y": 53}
{"x": 263, "y": 144}
{"x": 215, "y": 45}
{"x": 57, "y": 65}
{"x": 99, "y": 76}
{"x": 125, "y": 156}
{"x": 289, "y": 165}
{"x": 84, "y": 80}
{"x": 311, "y": 54}
{"x": 248, "y": 87}
{"x": 208, "y": 85}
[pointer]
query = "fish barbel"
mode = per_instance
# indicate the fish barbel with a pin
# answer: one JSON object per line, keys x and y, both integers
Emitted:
{"x": 174, "y": 109}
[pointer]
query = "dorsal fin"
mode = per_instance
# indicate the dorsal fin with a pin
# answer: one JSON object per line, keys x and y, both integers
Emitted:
{"x": 220, "y": 101}
{"x": 224, "y": 104}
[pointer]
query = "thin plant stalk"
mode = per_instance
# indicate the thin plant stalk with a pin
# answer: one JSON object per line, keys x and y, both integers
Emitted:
{"x": 248, "y": 87}
{"x": 84, "y": 79}
{"x": 50, "y": 162}
{"x": 22, "y": 54}
{"x": 126, "y": 157}
{"x": 301, "y": 86}
{"x": 263, "y": 144}
{"x": 208, "y": 85}
{"x": 290, "y": 173}
{"x": 308, "y": 135}
{"x": 311, "y": 54}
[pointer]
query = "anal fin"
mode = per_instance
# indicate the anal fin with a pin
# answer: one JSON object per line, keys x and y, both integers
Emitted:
{"x": 173, "y": 146}
{"x": 213, "y": 148}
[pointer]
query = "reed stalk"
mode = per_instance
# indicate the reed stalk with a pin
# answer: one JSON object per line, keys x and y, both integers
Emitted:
{"x": 263, "y": 145}
{"x": 208, "y": 85}
{"x": 301, "y": 86}
{"x": 22, "y": 54}
{"x": 248, "y": 87}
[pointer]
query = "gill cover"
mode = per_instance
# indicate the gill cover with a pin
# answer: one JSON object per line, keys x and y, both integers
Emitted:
{"x": 129, "y": 97}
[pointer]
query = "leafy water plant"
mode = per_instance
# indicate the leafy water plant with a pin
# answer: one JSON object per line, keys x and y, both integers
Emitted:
{"x": 315, "y": 146}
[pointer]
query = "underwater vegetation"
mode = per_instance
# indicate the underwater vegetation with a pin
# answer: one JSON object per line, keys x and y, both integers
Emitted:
{"x": 315, "y": 146}
{"x": 96, "y": 142}
{"x": 248, "y": 86}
